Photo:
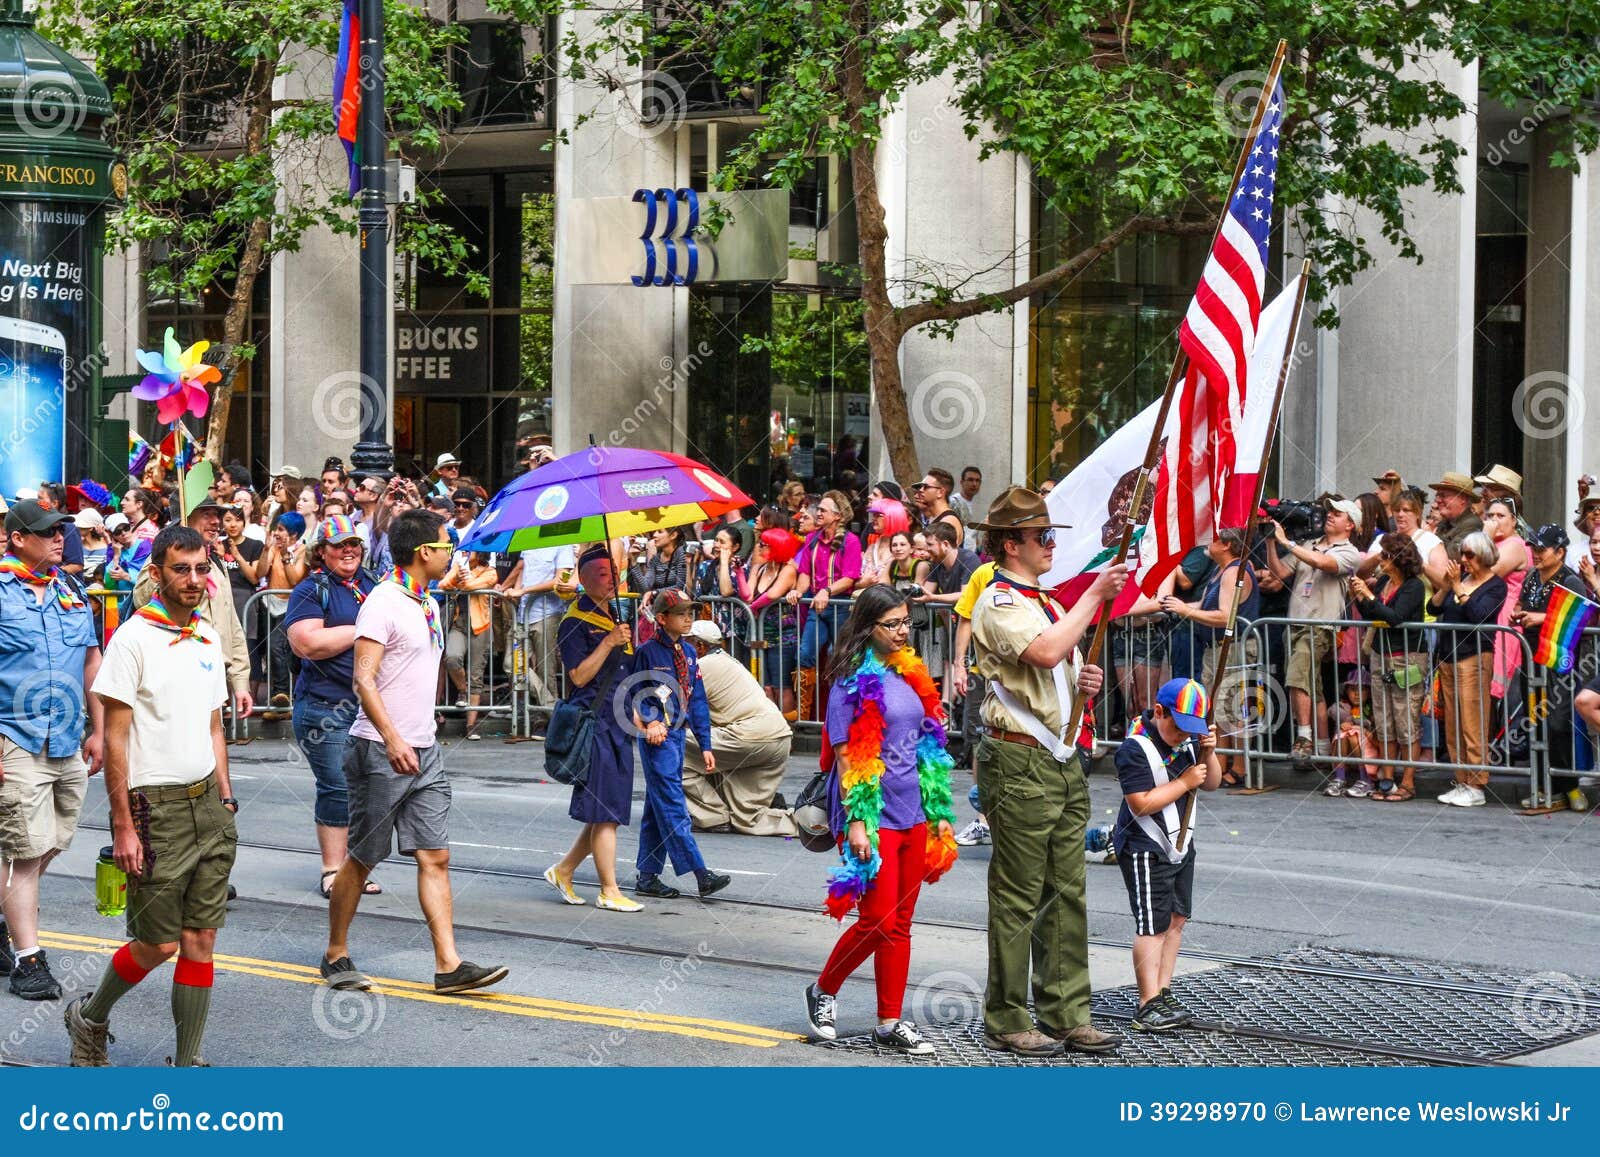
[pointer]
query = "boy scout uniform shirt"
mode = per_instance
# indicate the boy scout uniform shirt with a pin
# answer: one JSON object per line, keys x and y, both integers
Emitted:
{"x": 1005, "y": 621}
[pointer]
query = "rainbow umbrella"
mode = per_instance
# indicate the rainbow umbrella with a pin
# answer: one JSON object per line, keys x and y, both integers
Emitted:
{"x": 602, "y": 493}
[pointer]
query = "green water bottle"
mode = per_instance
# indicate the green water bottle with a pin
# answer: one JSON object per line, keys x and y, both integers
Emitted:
{"x": 110, "y": 885}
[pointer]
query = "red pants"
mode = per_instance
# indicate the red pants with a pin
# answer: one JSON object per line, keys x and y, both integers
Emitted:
{"x": 883, "y": 922}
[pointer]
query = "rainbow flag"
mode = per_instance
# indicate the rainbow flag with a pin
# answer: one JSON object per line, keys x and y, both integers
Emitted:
{"x": 139, "y": 454}
{"x": 178, "y": 448}
{"x": 347, "y": 90}
{"x": 1564, "y": 620}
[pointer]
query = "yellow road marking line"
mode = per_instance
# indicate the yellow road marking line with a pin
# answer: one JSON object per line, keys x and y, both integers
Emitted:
{"x": 755, "y": 1036}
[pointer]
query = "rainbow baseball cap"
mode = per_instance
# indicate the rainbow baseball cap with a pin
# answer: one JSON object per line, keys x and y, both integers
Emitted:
{"x": 337, "y": 528}
{"x": 1189, "y": 704}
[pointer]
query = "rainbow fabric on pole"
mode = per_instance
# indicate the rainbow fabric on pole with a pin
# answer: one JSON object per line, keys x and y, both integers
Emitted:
{"x": 347, "y": 90}
{"x": 139, "y": 454}
{"x": 1565, "y": 618}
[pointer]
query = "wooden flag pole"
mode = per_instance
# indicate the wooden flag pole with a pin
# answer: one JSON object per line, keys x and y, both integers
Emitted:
{"x": 1251, "y": 523}
{"x": 1152, "y": 452}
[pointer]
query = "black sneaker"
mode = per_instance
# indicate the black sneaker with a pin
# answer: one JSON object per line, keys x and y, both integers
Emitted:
{"x": 713, "y": 883}
{"x": 820, "y": 1013}
{"x": 655, "y": 886}
{"x": 341, "y": 973}
{"x": 7, "y": 961}
{"x": 1172, "y": 1003}
{"x": 903, "y": 1037}
{"x": 1156, "y": 1015}
{"x": 468, "y": 976}
{"x": 233, "y": 893}
{"x": 31, "y": 979}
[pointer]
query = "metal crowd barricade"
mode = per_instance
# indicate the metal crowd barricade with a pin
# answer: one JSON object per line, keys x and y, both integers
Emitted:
{"x": 1571, "y": 745}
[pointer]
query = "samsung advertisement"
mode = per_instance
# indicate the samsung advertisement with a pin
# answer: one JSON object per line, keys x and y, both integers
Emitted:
{"x": 44, "y": 338}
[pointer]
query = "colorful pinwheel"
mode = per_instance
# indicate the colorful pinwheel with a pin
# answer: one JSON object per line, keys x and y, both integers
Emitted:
{"x": 176, "y": 379}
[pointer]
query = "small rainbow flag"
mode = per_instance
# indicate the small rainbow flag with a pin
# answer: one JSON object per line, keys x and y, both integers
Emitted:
{"x": 347, "y": 91}
{"x": 1564, "y": 621}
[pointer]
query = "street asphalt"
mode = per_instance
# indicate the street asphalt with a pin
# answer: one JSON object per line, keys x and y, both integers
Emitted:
{"x": 720, "y": 982}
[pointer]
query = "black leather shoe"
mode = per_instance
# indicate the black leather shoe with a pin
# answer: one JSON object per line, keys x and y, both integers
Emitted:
{"x": 714, "y": 883}
{"x": 655, "y": 886}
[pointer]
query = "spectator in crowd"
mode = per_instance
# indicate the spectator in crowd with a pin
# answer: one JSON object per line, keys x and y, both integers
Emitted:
{"x": 142, "y": 510}
{"x": 1398, "y": 658}
{"x": 281, "y": 568}
{"x": 251, "y": 513}
{"x": 216, "y": 605}
{"x": 594, "y": 652}
{"x": 1472, "y": 597}
{"x": 1585, "y": 522}
{"x": 792, "y": 498}
{"x": 965, "y": 500}
{"x": 767, "y": 582}
{"x": 239, "y": 555}
{"x": 447, "y": 475}
{"x": 467, "y": 646}
{"x": 665, "y": 565}
{"x": 321, "y": 628}
{"x": 546, "y": 580}
{"x": 336, "y": 504}
{"x": 51, "y": 730}
{"x": 1408, "y": 511}
{"x": 1375, "y": 522}
{"x": 1453, "y": 499}
{"x": 1388, "y": 486}
{"x": 1500, "y": 523}
{"x": 284, "y": 494}
{"x": 463, "y": 513}
{"x": 1315, "y": 575}
{"x": 126, "y": 554}
{"x": 1139, "y": 642}
{"x": 1589, "y": 565}
{"x": 368, "y": 497}
{"x": 1548, "y": 546}
{"x": 932, "y": 497}
{"x": 952, "y": 566}
{"x": 52, "y": 497}
{"x": 806, "y": 521}
{"x": 235, "y": 476}
{"x": 828, "y": 565}
{"x": 308, "y": 505}
{"x": 333, "y": 475}
{"x": 1500, "y": 482}
{"x": 772, "y": 518}
{"x": 886, "y": 517}
{"x": 1233, "y": 581}
{"x": 722, "y": 556}
{"x": 95, "y": 544}
{"x": 905, "y": 572}
{"x": 751, "y": 740}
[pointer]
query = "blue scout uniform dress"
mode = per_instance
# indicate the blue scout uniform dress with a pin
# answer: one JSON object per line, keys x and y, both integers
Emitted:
{"x": 607, "y": 796}
{"x": 668, "y": 688}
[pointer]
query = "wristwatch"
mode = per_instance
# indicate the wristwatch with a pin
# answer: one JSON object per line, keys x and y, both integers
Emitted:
{"x": 228, "y": 799}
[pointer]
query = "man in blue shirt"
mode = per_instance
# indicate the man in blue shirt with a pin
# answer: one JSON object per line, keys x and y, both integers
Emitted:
{"x": 49, "y": 729}
{"x": 669, "y": 697}
{"x": 321, "y": 624}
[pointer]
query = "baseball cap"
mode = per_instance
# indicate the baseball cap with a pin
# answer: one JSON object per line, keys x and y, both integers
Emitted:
{"x": 1346, "y": 506}
{"x": 87, "y": 518}
{"x": 288, "y": 471}
{"x": 706, "y": 631}
{"x": 669, "y": 600}
{"x": 1549, "y": 537}
{"x": 27, "y": 494}
{"x": 1188, "y": 703}
{"x": 116, "y": 522}
{"x": 463, "y": 494}
{"x": 335, "y": 529}
{"x": 28, "y": 515}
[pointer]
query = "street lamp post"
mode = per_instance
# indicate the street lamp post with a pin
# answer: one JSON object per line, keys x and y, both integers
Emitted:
{"x": 373, "y": 454}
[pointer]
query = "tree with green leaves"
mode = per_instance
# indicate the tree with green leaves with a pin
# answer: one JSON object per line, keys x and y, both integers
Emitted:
{"x": 1129, "y": 113}
{"x": 223, "y": 167}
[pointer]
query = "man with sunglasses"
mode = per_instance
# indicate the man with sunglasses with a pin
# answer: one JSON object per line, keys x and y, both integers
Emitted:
{"x": 464, "y": 512}
{"x": 50, "y": 734}
{"x": 1032, "y": 781}
{"x": 932, "y": 496}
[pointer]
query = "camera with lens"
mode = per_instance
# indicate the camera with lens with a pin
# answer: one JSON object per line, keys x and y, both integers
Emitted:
{"x": 1302, "y": 521}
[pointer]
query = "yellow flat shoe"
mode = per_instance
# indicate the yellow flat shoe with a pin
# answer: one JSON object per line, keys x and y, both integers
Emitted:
{"x": 619, "y": 904}
{"x": 568, "y": 896}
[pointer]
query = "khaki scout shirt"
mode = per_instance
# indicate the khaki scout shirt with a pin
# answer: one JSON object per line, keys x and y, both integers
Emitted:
{"x": 1005, "y": 621}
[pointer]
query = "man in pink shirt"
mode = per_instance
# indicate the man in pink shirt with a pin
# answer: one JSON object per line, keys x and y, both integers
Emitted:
{"x": 829, "y": 564}
{"x": 393, "y": 765}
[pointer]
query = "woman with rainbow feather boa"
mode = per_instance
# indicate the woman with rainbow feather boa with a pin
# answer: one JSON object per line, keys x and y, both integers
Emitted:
{"x": 891, "y": 808}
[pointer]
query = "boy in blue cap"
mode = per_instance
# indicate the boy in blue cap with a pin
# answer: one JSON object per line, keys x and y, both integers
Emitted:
{"x": 1170, "y": 751}
{"x": 670, "y": 697}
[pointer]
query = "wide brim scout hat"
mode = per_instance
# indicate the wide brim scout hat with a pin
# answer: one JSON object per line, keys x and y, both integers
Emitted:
{"x": 1019, "y": 508}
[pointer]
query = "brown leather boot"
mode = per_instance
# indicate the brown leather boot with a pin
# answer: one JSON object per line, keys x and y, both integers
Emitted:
{"x": 806, "y": 685}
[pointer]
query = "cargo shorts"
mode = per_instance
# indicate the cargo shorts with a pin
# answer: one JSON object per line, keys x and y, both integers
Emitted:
{"x": 194, "y": 841}
{"x": 40, "y": 801}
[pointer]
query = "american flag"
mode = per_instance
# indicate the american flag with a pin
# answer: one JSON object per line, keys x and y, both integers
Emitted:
{"x": 1217, "y": 335}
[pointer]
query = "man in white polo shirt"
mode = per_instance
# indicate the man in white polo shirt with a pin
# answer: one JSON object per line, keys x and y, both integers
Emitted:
{"x": 163, "y": 685}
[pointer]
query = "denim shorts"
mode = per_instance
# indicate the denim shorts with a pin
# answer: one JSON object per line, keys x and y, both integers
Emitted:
{"x": 322, "y": 728}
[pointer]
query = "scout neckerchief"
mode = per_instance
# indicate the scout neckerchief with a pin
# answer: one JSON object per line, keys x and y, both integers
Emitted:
{"x": 156, "y": 612}
{"x": 353, "y": 585}
{"x": 419, "y": 592}
{"x": 595, "y": 618}
{"x": 1057, "y": 745}
{"x": 65, "y": 595}
{"x": 680, "y": 667}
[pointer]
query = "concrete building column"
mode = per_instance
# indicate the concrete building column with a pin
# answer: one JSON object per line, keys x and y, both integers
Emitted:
{"x": 1545, "y": 401}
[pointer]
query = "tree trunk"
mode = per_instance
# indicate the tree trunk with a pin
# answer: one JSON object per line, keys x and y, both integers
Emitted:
{"x": 251, "y": 258}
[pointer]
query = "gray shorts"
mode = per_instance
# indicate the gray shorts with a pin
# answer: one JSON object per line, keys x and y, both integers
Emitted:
{"x": 383, "y": 804}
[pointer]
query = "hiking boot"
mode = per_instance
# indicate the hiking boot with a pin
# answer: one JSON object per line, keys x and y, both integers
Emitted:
{"x": 901, "y": 1036}
{"x": 1156, "y": 1015}
{"x": 713, "y": 883}
{"x": 975, "y": 833}
{"x": 31, "y": 979}
{"x": 820, "y": 1010}
{"x": 341, "y": 973}
{"x": 199, "y": 1063}
{"x": 1172, "y": 1003}
{"x": 7, "y": 960}
{"x": 1027, "y": 1043}
{"x": 467, "y": 976}
{"x": 88, "y": 1038}
{"x": 1301, "y": 753}
{"x": 655, "y": 886}
{"x": 1084, "y": 1039}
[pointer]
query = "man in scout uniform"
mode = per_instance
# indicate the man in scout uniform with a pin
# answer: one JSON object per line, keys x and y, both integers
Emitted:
{"x": 1033, "y": 785}
{"x": 163, "y": 685}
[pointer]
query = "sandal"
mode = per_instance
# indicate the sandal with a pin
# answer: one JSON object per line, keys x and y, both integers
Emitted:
{"x": 1232, "y": 779}
{"x": 326, "y": 888}
{"x": 1399, "y": 795}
